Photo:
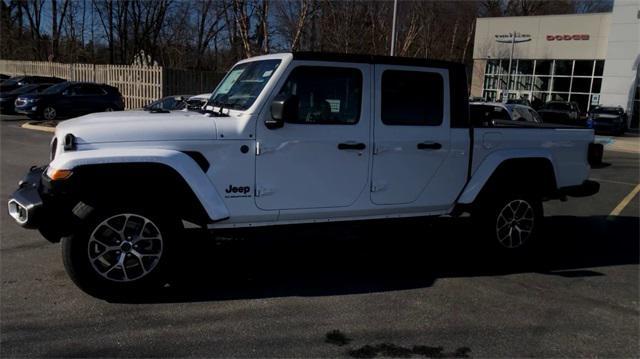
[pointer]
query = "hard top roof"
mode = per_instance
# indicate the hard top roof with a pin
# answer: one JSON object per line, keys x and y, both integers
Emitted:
{"x": 376, "y": 59}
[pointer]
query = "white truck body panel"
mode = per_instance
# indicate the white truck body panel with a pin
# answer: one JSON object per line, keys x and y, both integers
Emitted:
{"x": 296, "y": 174}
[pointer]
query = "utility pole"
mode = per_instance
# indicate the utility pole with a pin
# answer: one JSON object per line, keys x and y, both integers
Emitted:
{"x": 393, "y": 28}
{"x": 513, "y": 39}
{"x": 513, "y": 46}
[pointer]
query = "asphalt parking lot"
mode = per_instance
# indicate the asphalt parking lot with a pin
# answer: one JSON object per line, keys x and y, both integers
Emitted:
{"x": 396, "y": 289}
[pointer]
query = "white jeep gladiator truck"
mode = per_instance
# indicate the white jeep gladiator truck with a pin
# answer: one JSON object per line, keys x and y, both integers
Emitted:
{"x": 293, "y": 139}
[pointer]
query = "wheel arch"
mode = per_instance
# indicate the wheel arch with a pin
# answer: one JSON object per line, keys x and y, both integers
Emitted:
{"x": 167, "y": 178}
{"x": 534, "y": 170}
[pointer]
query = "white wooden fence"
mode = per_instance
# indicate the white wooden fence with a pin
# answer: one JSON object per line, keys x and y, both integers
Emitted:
{"x": 139, "y": 85}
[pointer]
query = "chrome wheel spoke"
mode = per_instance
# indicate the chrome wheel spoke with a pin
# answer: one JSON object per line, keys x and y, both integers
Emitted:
{"x": 515, "y": 223}
{"x": 128, "y": 253}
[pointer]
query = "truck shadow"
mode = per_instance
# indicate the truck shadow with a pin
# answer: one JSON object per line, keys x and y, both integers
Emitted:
{"x": 388, "y": 256}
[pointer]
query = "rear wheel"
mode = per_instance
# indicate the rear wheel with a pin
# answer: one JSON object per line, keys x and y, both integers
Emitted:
{"x": 510, "y": 222}
{"x": 119, "y": 252}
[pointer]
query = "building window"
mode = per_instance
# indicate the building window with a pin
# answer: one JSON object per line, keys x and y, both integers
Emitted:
{"x": 562, "y": 68}
{"x": 581, "y": 84}
{"x": 543, "y": 67}
{"x": 597, "y": 84}
{"x": 599, "y": 68}
{"x": 545, "y": 80}
{"x": 583, "y": 68}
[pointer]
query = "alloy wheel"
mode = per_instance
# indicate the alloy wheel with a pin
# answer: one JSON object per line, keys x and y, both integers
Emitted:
{"x": 515, "y": 223}
{"x": 125, "y": 247}
{"x": 49, "y": 113}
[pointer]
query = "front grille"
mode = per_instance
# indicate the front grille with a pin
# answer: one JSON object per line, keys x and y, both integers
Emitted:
{"x": 54, "y": 147}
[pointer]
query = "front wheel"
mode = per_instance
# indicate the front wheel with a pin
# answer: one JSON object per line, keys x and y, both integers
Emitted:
{"x": 49, "y": 113}
{"x": 118, "y": 253}
{"x": 511, "y": 222}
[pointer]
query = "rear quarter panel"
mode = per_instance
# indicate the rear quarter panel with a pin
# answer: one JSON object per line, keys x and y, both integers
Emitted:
{"x": 565, "y": 148}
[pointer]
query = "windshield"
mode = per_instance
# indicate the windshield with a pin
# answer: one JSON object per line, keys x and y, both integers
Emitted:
{"x": 24, "y": 89}
{"x": 56, "y": 88}
{"x": 12, "y": 81}
{"x": 243, "y": 84}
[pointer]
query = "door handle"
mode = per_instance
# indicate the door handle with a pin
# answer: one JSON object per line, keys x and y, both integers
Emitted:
{"x": 351, "y": 146}
{"x": 429, "y": 146}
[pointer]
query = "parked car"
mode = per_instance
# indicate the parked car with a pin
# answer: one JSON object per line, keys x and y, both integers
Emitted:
{"x": 4, "y": 77}
{"x": 496, "y": 114}
{"x": 17, "y": 81}
{"x": 169, "y": 103}
{"x": 306, "y": 138}
{"x": 608, "y": 119}
{"x": 560, "y": 112}
{"x": 198, "y": 102}
{"x": 70, "y": 99}
{"x": 519, "y": 101}
{"x": 7, "y": 99}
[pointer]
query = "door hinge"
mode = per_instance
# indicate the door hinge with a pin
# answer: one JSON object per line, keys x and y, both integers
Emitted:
{"x": 261, "y": 150}
{"x": 378, "y": 186}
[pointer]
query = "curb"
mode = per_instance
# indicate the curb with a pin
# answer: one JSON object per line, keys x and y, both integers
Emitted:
{"x": 34, "y": 126}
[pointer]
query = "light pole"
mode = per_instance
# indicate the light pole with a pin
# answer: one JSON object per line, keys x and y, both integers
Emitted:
{"x": 513, "y": 38}
{"x": 393, "y": 28}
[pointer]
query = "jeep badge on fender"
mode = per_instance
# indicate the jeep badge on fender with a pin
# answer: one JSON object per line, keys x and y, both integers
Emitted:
{"x": 243, "y": 190}
{"x": 336, "y": 138}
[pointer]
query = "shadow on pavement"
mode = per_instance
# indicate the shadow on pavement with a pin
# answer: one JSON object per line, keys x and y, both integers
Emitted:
{"x": 388, "y": 256}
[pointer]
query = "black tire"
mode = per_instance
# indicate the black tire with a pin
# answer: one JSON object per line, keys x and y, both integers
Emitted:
{"x": 49, "y": 113}
{"x": 76, "y": 249}
{"x": 506, "y": 235}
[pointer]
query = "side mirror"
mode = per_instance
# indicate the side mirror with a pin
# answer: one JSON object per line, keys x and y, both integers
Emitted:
{"x": 282, "y": 110}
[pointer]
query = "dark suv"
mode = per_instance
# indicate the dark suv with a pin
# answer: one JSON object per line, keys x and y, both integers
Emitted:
{"x": 70, "y": 99}
{"x": 8, "y": 99}
{"x": 608, "y": 119}
{"x": 17, "y": 81}
{"x": 561, "y": 112}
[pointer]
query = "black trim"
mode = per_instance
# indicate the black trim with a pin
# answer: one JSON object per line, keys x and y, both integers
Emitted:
{"x": 595, "y": 152}
{"x": 458, "y": 89}
{"x": 374, "y": 59}
{"x": 199, "y": 158}
{"x": 587, "y": 188}
{"x": 69, "y": 142}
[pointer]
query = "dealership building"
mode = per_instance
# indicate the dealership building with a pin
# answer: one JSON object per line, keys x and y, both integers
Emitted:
{"x": 592, "y": 59}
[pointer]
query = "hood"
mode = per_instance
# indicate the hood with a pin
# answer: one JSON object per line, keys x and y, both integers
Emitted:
{"x": 133, "y": 126}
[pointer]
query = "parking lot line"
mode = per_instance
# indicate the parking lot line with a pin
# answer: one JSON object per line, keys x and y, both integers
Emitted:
{"x": 625, "y": 201}
{"x": 614, "y": 182}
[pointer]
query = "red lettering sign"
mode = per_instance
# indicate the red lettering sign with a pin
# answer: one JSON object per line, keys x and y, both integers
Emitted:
{"x": 568, "y": 37}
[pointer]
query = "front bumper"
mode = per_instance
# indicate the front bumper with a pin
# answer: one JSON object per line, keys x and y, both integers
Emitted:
{"x": 25, "y": 204}
{"x": 608, "y": 126}
{"x": 31, "y": 110}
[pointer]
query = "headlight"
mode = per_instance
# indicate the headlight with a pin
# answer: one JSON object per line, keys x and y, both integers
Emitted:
{"x": 31, "y": 100}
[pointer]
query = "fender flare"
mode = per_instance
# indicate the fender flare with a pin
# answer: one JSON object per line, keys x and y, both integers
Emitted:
{"x": 489, "y": 165}
{"x": 184, "y": 165}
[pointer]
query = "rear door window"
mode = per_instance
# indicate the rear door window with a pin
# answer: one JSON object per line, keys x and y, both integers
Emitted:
{"x": 412, "y": 98}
